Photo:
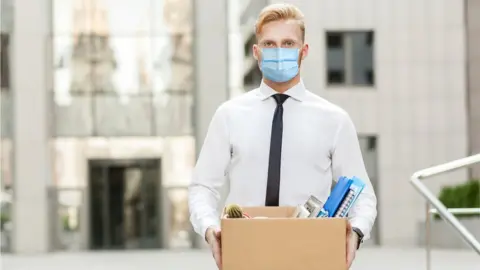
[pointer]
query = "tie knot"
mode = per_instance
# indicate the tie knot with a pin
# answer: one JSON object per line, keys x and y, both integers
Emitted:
{"x": 280, "y": 98}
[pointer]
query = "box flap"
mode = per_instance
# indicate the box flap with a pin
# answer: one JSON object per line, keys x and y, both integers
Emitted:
{"x": 271, "y": 212}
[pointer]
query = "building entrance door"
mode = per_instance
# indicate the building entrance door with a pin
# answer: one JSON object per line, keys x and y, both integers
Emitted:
{"x": 124, "y": 201}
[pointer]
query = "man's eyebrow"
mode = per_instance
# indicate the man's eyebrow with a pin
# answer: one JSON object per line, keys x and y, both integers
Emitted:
{"x": 289, "y": 39}
{"x": 267, "y": 40}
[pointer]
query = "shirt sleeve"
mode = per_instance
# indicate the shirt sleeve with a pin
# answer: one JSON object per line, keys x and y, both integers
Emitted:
{"x": 210, "y": 175}
{"x": 347, "y": 161}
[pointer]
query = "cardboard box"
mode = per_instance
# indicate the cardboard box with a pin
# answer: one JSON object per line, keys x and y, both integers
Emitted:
{"x": 283, "y": 243}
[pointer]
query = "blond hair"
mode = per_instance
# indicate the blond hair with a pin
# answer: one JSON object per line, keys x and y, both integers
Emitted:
{"x": 278, "y": 12}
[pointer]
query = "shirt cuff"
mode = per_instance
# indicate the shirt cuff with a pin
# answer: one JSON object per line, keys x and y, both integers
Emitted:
{"x": 362, "y": 226}
{"x": 207, "y": 223}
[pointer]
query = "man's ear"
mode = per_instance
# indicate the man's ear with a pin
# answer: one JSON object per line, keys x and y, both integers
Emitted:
{"x": 304, "y": 51}
{"x": 256, "y": 52}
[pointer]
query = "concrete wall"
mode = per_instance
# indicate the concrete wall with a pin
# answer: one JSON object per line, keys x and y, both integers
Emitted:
{"x": 417, "y": 106}
{"x": 443, "y": 236}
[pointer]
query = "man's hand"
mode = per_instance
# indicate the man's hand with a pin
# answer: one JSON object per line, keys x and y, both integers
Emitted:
{"x": 214, "y": 240}
{"x": 352, "y": 245}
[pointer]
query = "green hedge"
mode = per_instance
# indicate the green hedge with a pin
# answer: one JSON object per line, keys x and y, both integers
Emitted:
{"x": 465, "y": 195}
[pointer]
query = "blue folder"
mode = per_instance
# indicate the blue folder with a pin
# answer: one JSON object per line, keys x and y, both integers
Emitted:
{"x": 342, "y": 197}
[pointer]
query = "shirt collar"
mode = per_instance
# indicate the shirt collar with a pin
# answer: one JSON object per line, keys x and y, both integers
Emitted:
{"x": 296, "y": 92}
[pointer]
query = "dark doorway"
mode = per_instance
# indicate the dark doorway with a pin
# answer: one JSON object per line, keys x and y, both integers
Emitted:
{"x": 369, "y": 148}
{"x": 124, "y": 198}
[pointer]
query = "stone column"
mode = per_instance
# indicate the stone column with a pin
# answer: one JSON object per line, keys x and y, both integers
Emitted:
{"x": 211, "y": 65}
{"x": 236, "y": 54}
{"x": 31, "y": 126}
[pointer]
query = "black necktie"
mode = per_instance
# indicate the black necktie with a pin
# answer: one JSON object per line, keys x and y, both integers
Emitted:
{"x": 274, "y": 162}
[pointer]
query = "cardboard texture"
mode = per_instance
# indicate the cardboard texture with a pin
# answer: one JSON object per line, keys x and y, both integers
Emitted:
{"x": 283, "y": 243}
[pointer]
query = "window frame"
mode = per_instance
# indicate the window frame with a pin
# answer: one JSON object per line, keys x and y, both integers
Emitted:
{"x": 346, "y": 36}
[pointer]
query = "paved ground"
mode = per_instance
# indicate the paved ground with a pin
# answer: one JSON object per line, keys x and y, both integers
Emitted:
{"x": 367, "y": 259}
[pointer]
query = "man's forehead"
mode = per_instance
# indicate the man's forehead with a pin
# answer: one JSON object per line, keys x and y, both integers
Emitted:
{"x": 280, "y": 30}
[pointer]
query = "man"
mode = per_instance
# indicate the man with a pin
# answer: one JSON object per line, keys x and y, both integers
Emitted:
{"x": 280, "y": 143}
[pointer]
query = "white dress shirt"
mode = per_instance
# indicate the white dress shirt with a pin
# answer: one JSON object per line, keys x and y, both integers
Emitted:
{"x": 320, "y": 144}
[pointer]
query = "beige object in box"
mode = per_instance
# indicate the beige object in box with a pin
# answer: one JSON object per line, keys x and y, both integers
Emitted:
{"x": 283, "y": 243}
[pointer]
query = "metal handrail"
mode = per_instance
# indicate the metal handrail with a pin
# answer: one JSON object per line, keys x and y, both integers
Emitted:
{"x": 432, "y": 199}
{"x": 458, "y": 211}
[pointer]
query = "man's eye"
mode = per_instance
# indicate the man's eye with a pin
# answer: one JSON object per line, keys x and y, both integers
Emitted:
{"x": 289, "y": 43}
{"x": 268, "y": 44}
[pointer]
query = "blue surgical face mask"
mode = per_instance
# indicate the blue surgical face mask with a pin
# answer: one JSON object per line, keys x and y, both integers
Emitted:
{"x": 279, "y": 64}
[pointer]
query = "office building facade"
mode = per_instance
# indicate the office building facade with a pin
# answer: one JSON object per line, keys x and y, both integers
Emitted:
{"x": 404, "y": 71}
{"x": 98, "y": 144}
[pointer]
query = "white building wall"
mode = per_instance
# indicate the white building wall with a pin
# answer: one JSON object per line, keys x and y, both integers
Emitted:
{"x": 417, "y": 106}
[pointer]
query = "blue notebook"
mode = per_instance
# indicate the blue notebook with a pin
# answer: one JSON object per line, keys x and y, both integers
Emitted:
{"x": 356, "y": 188}
{"x": 336, "y": 197}
{"x": 342, "y": 197}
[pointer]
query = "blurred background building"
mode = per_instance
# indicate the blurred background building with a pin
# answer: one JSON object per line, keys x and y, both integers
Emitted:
{"x": 105, "y": 104}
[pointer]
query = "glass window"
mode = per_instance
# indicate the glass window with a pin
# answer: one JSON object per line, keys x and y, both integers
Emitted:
{"x": 6, "y": 112}
{"x": 122, "y": 46}
{"x": 362, "y": 58}
{"x": 335, "y": 58}
{"x": 126, "y": 116}
{"x": 4, "y": 61}
{"x": 118, "y": 63}
{"x": 115, "y": 17}
{"x": 172, "y": 16}
{"x": 180, "y": 228}
{"x": 129, "y": 70}
{"x": 334, "y": 40}
{"x": 253, "y": 76}
{"x": 6, "y": 198}
{"x": 86, "y": 63}
{"x": 173, "y": 113}
{"x": 6, "y": 27}
{"x": 350, "y": 58}
{"x": 69, "y": 203}
{"x": 172, "y": 63}
{"x": 6, "y": 147}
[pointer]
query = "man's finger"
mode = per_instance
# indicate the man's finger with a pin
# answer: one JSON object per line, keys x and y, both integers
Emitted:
{"x": 349, "y": 264}
{"x": 218, "y": 259}
{"x": 349, "y": 232}
{"x": 350, "y": 258}
{"x": 349, "y": 240}
{"x": 349, "y": 226}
